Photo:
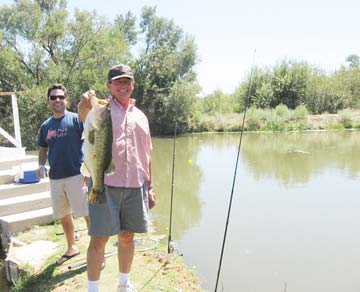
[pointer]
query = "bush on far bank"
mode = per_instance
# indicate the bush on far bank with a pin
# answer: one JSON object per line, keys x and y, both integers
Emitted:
{"x": 278, "y": 119}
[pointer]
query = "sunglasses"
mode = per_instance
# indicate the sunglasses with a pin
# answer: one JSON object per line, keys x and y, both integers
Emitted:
{"x": 55, "y": 97}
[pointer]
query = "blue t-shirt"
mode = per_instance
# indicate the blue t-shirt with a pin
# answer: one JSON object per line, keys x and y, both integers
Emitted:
{"x": 62, "y": 137}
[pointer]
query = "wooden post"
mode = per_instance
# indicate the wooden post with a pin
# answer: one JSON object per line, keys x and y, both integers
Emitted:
{"x": 15, "y": 110}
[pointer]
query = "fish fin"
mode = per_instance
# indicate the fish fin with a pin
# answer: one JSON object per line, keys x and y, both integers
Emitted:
{"x": 111, "y": 168}
{"x": 84, "y": 170}
{"x": 91, "y": 137}
{"x": 103, "y": 101}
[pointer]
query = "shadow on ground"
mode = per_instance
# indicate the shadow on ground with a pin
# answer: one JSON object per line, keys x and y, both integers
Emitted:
{"x": 45, "y": 280}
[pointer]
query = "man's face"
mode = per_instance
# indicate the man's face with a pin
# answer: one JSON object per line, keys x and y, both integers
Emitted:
{"x": 57, "y": 101}
{"x": 121, "y": 89}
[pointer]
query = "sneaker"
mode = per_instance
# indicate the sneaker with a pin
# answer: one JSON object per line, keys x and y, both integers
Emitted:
{"x": 77, "y": 236}
{"x": 128, "y": 288}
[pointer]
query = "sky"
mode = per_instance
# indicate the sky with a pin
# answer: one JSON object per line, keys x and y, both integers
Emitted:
{"x": 231, "y": 35}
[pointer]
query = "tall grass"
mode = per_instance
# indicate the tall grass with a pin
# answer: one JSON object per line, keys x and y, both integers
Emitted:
{"x": 278, "y": 119}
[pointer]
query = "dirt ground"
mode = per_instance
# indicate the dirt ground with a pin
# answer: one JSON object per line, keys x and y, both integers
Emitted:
{"x": 151, "y": 270}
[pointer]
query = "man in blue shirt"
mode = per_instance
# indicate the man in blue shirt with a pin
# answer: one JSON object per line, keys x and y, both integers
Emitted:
{"x": 60, "y": 143}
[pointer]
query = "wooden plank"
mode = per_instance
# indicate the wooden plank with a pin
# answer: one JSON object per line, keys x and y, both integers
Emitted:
{"x": 12, "y": 92}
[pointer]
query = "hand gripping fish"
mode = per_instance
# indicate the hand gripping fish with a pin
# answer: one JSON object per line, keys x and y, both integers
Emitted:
{"x": 98, "y": 139}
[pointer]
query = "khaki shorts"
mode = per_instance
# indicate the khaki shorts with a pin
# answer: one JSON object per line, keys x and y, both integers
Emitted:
{"x": 67, "y": 197}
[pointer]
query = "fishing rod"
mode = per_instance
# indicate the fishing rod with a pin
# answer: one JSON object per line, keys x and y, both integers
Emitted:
{"x": 75, "y": 231}
{"x": 247, "y": 102}
{"x": 83, "y": 263}
{"x": 170, "y": 242}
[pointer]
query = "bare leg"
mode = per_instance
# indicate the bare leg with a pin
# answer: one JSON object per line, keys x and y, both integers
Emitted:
{"x": 87, "y": 220}
{"x": 68, "y": 227}
{"x": 95, "y": 257}
{"x": 125, "y": 251}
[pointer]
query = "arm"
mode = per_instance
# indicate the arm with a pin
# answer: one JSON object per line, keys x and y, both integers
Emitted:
{"x": 43, "y": 155}
{"x": 151, "y": 191}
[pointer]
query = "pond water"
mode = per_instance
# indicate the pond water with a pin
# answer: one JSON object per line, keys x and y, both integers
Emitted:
{"x": 295, "y": 212}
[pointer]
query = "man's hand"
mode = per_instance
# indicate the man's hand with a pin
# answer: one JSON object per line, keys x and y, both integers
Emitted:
{"x": 38, "y": 173}
{"x": 84, "y": 105}
{"x": 41, "y": 172}
{"x": 151, "y": 198}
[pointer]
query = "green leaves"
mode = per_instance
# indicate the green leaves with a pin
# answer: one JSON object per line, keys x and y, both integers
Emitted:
{"x": 297, "y": 83}
{"x": 41, "y": 45}
{"x": 165, "y": 83}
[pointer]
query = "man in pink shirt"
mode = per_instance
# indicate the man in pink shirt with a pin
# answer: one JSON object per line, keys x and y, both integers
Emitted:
{"x": 129, "y": 191}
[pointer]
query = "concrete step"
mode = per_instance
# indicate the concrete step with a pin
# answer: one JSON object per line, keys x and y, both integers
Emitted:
{"x": 24, "y": 172}
{"x": 6, "y": 152}
{"x": 11, "y": 224}
{"x": 6, "y": 176}
{"x": 25, "y": 203}
{"x": 12, "y": 160}
{"x": 18, "y": 189}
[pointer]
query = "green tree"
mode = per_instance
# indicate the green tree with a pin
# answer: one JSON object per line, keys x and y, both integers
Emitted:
{"x": 354, "y": 61}
{"x": 126, "y": 25}
{"x": 286, "y": 83}
{"x": 218, "y": 102}
{"x": 164, "y": 71}
{"x": 41, "y": 45}
{"x": 289, "y": 83}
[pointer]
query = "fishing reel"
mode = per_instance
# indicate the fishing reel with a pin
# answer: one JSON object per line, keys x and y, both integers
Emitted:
{"x": 172, "y": 248}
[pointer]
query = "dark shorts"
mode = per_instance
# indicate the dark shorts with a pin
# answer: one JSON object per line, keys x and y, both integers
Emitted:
{"x": 125, "y": 209}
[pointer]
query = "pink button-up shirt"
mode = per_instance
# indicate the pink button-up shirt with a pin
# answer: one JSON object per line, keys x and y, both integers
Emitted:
{"x": 131, "y": 146}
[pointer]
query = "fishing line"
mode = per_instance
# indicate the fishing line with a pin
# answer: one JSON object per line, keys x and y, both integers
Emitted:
{"x": 141, "y": 244}
{"x": 247, "y": 102}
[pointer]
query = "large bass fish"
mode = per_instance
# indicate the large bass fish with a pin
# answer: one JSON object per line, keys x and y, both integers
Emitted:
{"x": 98, "y": 139}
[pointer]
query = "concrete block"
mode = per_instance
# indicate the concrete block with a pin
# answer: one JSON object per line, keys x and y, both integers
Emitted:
{"x": 10, "y": 160}
{"x": 11, "y": 224}
{"x": 25, "y": 203}
{"x": 18, "y": 189}
{"x": 6, "y": 176}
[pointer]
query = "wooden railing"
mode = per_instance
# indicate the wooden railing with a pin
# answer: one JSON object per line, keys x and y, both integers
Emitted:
{"x": 16, "y": 141}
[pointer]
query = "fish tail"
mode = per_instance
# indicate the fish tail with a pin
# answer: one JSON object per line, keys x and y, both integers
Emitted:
{"x": 96, "y": 196}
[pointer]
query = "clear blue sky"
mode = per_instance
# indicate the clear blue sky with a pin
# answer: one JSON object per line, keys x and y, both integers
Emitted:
{"x": 227, "y": 32}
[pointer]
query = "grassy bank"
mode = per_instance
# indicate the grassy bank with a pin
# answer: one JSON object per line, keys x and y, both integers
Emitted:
{"x": 150, "y": 271}
{"x": 278, "y": 119}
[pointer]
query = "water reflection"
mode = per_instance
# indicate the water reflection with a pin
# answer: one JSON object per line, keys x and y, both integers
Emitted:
{"x": 294, "y": 212}
{"x": 294, "y": 157}
{"x": 187, "y": 179}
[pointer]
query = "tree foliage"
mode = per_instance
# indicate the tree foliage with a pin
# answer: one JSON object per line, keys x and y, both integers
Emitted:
{"x": 353, "y": 60}
{"x": 165, "y": 81}
{"x": 42, "y": 45}
{"x": 294, "y": 83}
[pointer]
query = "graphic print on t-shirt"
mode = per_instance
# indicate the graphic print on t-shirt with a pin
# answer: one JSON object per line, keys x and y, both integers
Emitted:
{"x": 56, "y": 133}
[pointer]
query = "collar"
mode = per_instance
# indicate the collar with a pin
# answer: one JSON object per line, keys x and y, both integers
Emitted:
{"x": 131, "y": 103}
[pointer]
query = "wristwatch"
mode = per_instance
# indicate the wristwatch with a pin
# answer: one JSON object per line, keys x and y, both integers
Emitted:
{"x": 150, "y": 187}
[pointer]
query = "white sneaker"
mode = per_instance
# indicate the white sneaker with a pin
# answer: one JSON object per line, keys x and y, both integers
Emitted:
{"x": 128, "y": 288}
